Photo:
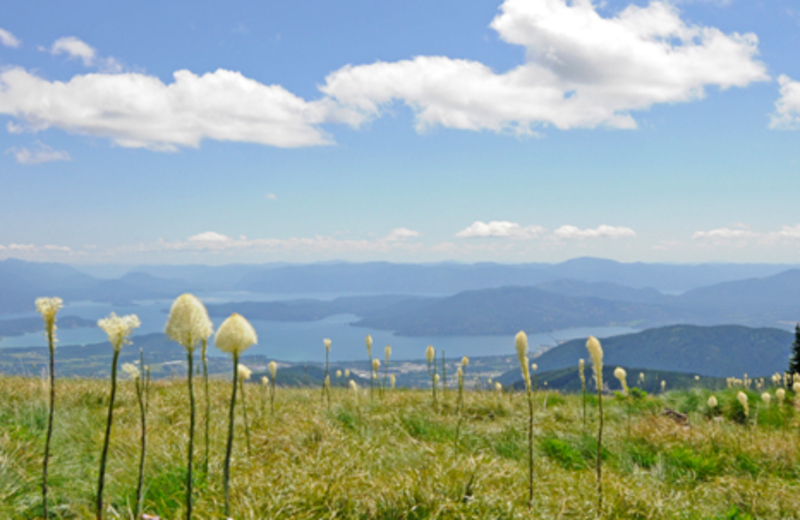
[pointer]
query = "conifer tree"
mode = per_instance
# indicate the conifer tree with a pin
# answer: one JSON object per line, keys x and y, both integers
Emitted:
{"x": 794, "y": 360}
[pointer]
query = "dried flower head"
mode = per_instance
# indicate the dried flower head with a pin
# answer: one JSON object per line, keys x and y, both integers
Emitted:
{"x": 119, "y": 328}
{"x": 48, "y": 308}
{"x": 188, "y": 322}
{"x": 521, "y": 344}
{"x": 327, "y": 344}
{"x": 498, "y": 387}
{"x": 435, "y": 378}
{"x": 265, "y": 380}
{"x": 376, "y": 364}
{"x": 663, "y": 385}
{"x": 369, "y": 345}
{"x": 338, "y": 374}
{"x": 712, "y": 402}
{"x": 780, "y": 393}
{"x": 596, "y": 353}
{"x": 464, "y": 361}
{"x": 430, "y": 353}
{"x": 244, "y": 372}
{"x": 766, "y": 397}
{"x": 580, "y": 371}
{"x": 392, "y": 380}
{"x": 235, "y": 335}
{"x": 742, "y": 397}
{"x": 273, "y": 369}
{"x": 347, "y": 372}
{"x": 387, "y": 352}
{"x": 534, "y": 367}
{"x": 131, "y": 369}
{"x": 353, "y": 386}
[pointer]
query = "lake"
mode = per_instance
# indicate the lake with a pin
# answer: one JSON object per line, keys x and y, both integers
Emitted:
{"x": 302, "y": 341}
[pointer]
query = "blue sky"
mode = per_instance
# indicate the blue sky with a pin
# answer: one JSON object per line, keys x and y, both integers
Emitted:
{"x": 525, "y": 130}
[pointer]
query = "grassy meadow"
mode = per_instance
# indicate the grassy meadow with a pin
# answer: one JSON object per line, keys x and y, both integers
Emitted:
{"x": 398, "y": 457}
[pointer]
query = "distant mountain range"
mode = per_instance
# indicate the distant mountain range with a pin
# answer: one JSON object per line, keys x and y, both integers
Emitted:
{"x": 486, "y": 298}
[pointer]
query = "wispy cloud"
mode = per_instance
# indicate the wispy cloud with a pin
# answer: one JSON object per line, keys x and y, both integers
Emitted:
{"x": 742, "y": 235}
{"x": 271, "y": 196}
{"x": 513, "y": 230}
{"x": 78, "y": 49}
{"x": 582, "y": 70}
{"x": 40, "y": 153}
{"x": 9, "y": 40}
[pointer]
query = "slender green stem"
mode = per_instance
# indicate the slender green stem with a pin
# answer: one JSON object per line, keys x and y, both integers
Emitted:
{"x": 190, "y": 359}
{"x": 444, "y": 377}
{"x": 229, "y": 448}
{"x": 104, "y": 456}
{"x": 583, "y": 384}
{"x": 599, "y": 455}
{"x": 324, "y": 376}
{"x": 51, "y": 344}
{"x": 272, "y": 396}
{"x": 203, "y": 352}
{"x": 244, "y": 409}
{"x": 141, "y": 395}
{"x": 530, "y": 447}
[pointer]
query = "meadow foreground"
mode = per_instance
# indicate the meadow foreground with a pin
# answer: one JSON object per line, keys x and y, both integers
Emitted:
{"x": 366, "y": 456}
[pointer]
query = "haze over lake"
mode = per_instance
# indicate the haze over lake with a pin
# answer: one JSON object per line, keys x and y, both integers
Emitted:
{"x": 300, "y": 341}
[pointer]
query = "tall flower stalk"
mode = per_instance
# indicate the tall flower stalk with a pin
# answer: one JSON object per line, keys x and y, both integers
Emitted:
{"x": 273, "y": 372}
{"x": 430, "y": 355}
{"x": 188, "y": 324}
{"x": 325, "y": 388}
{"x": 388, "y": 353}
{"x": 521, "y": 343}
{"x": 369, "y": 354}
{"x": 244, "y": 375}
{"x": 48, "y": 308}
{"x": 141, "y": 386}
{"x": 376, "y": 367}
{"x": 622, "y": 376}
{"x": 596, "y": 353}
{"x": 444, "y": 377}
{"x": 207, "y": 421}
{"x": 583, "y": 388}
{"x": 535, "y": 369}
{"x": 265, "y": 395}
{"x": 234, "y": 336}
{"x": 119, "y": 330}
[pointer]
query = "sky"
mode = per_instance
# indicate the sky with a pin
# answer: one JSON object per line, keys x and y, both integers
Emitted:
{"x": 406, "y": 131}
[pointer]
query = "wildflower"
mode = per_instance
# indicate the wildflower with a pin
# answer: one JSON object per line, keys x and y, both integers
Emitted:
{"x": 369, "y": 346}
{"x": 430, "y": 355}
{"x": 234, "y": 336}
{"x": 326, "y": 376}
{"x": 663, "y": 386}
{"x": 244, "y": 375}
{"x": 436, "y": 378}
{"x": 620, "y": 374}
{"x": 583, "y": 388}
{"x": 498, "y": 387}
{"x": 273, "y": 369}
{"x": 712, "y": 402}
{"x": 119, "y": 329}
{"x": 766, "y": 397}
{"x": 521, "y": 342}
{"x": 353, "y": 386}
{"x": 244, "y": 372}
{"x": 465, "y": 361}
{"x": 780, "y": 393}
{"x": 596, "y": 353}
{"x": 392, "y": 380}
{"x": 264, "y": 381}
{"x": 796, "y": 387}
{"x": 376, "y": 364}
{"x": 742, "y": 398}
{"x": 327, "y": 343}
{"x": 388, "y": 353}
{"x": 131, "y": 370}
{"x": 48, "y": 308}
{"x": 347, "y": 373}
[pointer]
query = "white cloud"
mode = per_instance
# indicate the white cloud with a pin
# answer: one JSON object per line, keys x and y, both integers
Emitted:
{"x": 211, "y": 241}
{"x": 139, "y": 111}
{"x": 32, "y": 248}
{"x": 581, "y": 70}
{"x": 271, "y": 196}
{"x": 75, "y": 48}
{"x": 500, "y": 229}
{"x": 740, "y": 234}
{"x": 603, "y": 231}
{"x": 787, "y": 108}
{"x": 41, "y": 153}
{"x": 9, "y": 40}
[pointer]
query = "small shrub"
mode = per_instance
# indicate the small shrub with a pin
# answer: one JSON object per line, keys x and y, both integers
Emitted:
{"x": 562, "y": 452}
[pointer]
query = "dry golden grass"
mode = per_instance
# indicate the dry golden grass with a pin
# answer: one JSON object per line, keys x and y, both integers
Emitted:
{"x": 397, "y": 457}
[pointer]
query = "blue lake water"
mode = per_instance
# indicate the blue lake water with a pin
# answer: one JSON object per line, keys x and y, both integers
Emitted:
{"x": 302, "y": 341}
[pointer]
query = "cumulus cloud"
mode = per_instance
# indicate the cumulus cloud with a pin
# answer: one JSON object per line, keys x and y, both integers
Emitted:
{"x": 500, "y": 229}
{"x": 787, "y": 108}
{"x": 9, "y": 40}
{"x": 139, "y": 111}
{"x": 211, "y": 241}
{"x": 741, "y": 234}
{"x": 581, "y": 70}
{"x": 40, "y": 153}
{"x": 75, "y": 48}
{"x": 603, "y": 231}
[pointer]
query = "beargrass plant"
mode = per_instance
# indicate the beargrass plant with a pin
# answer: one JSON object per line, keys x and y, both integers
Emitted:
{"x": 430, "y": 356}
{"x": 444, "y": 377}
{"x": 622, "y": 376}
{"x": 48, "y": 308}
{"x": 521, "y": 343}
{"x": 325, "y": 389}
{"x": 388, "y": 353}
{"x": 369, "y": 355}
{"x": 596, "y": 353}
{"x": 189, "y": 325}
{"x": 119, "y": 330}
{"x": 273, "y": 372}
{"x": 583, "y": 388}
{"x": 244, "y": 375}
{"x": 535, "y": 369}
{"x": 234, "y": 336}
{"x": 141, "y": 384}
